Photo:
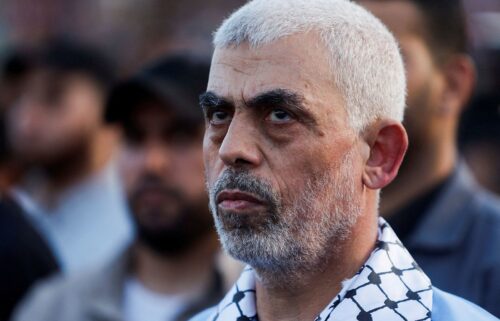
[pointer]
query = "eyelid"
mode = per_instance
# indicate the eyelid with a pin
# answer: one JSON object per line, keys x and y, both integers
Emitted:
{"x": 216, "y": 110}
{"x": 283, "y": 109}
{"x": 206, "y": 109}
{"x": 210, "y": 109}
{"x": 291, "y": 116}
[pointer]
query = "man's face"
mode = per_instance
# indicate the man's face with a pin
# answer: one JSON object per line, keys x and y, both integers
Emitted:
{"x": 56, "y": 116}
{"x": 162, "y": 168}
{"x": 424, "y": 78}
{"x": 282, "y": 167}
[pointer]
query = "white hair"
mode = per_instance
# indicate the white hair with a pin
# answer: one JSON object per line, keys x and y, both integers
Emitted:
{"x": 366, "y": 64}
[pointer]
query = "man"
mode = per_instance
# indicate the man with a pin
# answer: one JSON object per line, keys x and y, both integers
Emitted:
{"x": 168, "y": 274}
{"x": 449, "y": 223}
{"x": 14, "y": 71}
{"x": 70, "y": 190}
{"x": 25, "y": 256}
{"x": 303, "y": 128}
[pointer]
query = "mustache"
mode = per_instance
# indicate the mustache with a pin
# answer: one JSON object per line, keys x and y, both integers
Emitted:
{"x": 152, "y": 182}
{"x": 245, "y": 182}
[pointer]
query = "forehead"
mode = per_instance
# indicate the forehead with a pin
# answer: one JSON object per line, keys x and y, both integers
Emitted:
{"x": 156, "y": 117}
{"x": 148, "y": 111}
{"x": 298, "y": 63}
{"x": 54, "y": 82}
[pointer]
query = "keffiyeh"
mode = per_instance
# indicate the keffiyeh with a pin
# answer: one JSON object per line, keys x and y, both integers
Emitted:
{"x": 389, "y": 286}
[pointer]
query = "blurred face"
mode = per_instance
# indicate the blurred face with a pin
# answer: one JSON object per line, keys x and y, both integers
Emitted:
{"x": 424, "y": 79}
{"x": 162, "y": 168}
{"x": 56, "y": 117}
{"x": 282, "y": 167}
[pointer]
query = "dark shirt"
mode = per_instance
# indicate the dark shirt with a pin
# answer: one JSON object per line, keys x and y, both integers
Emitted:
{"x": 456, "y": 239}
{"x": 25, "y": 257}
{"x": 404, "y": 221}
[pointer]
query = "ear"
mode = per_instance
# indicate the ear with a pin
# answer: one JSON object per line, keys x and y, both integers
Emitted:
{"x": 460, "y": 79}
{"x": 388, "y": 142}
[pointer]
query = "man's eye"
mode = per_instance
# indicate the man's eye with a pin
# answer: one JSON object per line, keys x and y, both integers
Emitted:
{"x": 279, "y": 116}
{"x": 219, "y": 118}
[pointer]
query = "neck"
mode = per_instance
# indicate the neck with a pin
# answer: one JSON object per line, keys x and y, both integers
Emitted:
{"x": 423, "y": 169}
{"x": 48, "y": 182}
{"x": 303, "y": 298}
{"x": 189, "y": 273}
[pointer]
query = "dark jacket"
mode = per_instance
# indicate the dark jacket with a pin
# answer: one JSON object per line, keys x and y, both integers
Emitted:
{"x": 95, "y": 295}
{"x": 457, "y": 243}
{"x": 25, "y": 257}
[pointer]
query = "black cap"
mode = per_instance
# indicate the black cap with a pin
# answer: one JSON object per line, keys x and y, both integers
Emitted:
{"x": 175, "y": 81}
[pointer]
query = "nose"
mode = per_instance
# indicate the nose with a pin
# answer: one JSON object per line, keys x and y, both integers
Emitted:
{"x": 156, "y": 159}
{"x": 239, "y": 146}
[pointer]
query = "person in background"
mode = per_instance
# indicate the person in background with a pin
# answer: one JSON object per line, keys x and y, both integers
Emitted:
{"x": 24, "y": 254}
{"x": 170, "y": 272}
{"x": 69, "y": 188}
{"x": 480, "y": 139}
{"x": 16, "y": 67}
{"x": 449, "y": 223}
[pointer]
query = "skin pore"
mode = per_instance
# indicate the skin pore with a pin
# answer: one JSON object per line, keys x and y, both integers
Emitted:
{"x": 436, "y": 96}
{"x": 281, "y": 126}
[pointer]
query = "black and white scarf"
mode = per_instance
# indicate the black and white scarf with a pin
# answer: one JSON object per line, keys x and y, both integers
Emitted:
{"x": 389, "y": 286}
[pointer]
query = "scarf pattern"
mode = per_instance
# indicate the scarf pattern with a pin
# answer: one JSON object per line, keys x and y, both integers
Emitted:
{"x": 390, "y": 286}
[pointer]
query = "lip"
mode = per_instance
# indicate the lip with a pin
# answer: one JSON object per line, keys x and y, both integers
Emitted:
{"x": 237, "y": 200}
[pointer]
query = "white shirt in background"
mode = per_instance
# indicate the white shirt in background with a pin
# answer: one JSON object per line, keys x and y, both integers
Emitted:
{"x": 89, "y": 224}
{"x": 142, "y": 304}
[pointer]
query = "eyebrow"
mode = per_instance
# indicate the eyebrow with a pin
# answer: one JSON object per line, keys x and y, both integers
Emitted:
{"x": 277, "y": 98}
{"x": 212, "y": 100}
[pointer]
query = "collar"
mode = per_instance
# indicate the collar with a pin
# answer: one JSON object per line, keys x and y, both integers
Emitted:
{"x": 405, "y": 220}
{"x": 446, "y": 223}
{"x": 209, "y": 298}
{"x": 389, "y": 286}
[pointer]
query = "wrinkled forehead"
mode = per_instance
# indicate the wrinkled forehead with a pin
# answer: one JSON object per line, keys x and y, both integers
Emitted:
{"x": 298, "y": 63}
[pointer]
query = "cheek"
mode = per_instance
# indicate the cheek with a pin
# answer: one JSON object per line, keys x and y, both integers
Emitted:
{"x": 290, "y": 168}
{"x": 130, "y": 167}
{"x": 80, "y": 118}
{"x": 19, "y": 125}
{"x": 188, "y": 173}
{"x": 210, "y": 158}
{"x": 69, "y": 125}
{"x": 300, "y": 165}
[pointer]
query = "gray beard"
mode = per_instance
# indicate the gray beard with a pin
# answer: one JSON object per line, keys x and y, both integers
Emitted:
{"x": 298, "y": 238}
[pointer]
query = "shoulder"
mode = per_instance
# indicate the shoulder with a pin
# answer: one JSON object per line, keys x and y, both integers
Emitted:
{"x": 489, "y": 205}
{"x": 43, "y": 299}
{"x": 485, "y": 209}
{"x": 50, "y": 299}
{"x": 448, "y": 307}
{"x": 203, "y": 315}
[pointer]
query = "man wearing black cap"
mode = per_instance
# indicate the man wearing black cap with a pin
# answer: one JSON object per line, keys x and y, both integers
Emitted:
{"x": 168, "y": 273}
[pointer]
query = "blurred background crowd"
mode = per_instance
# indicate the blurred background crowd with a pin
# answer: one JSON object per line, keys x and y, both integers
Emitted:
{"x": 101, "y": 173}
